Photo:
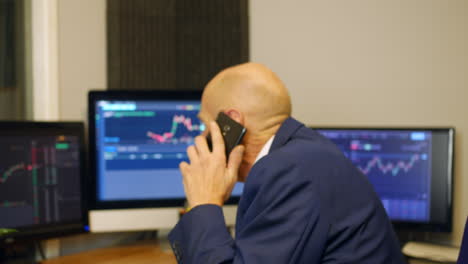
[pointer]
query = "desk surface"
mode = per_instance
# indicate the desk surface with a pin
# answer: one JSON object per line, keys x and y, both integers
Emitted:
{"x": 138, "y": 254}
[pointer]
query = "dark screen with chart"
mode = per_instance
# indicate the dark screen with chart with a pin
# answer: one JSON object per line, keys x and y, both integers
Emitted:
{"x": 397, "y": 163}
{"x": 40, "y": 179}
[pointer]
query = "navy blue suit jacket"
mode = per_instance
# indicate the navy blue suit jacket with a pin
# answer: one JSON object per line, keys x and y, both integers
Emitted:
{"x": 463, "y": 257}
{"x": 304, "y": 202}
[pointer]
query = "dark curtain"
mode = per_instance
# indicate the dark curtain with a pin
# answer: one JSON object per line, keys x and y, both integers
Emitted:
{"x": 7, "y": 44}
{"x": 173, "y": 44}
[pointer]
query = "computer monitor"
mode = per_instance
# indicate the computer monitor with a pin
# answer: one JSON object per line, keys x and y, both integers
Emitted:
{"x": 41, "y": 180}
{"x": 411, "y": 170}
{"x": 136, "y": 141}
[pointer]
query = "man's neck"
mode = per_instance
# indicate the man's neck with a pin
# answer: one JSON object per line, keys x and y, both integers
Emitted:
{"x": 256, "y": 141}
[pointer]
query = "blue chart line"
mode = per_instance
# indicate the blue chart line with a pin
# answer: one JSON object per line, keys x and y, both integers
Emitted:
{"x": 390, "y": 167}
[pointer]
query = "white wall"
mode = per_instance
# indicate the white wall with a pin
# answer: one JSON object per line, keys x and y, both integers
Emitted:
{"x": 82, "y": 67}
{"x": 362, "y": 62}
{"x": 367, "y": 62}
{"x": 82, "y": 54}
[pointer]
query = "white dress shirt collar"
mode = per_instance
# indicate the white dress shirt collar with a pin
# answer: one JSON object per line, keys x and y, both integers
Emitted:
{"x": 265, "y": 149}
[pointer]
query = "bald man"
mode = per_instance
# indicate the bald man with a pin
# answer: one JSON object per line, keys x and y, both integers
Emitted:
{"x": 303, "y": 201}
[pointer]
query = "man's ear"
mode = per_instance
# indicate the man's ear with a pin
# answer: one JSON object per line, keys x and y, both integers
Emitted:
{"x": 235, "y": 115}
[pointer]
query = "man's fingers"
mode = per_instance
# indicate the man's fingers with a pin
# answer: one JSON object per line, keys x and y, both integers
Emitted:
{"x": 216, "y": 138}
{"x": 183, "y": 166}
{"x": 192, "y": 154}
{"x": 202, "y": 146}
{"x": 235, "y": 159}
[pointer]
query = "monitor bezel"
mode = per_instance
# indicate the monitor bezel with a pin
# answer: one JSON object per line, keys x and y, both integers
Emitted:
{"x": 445, "y": 226}
{"x": 45, "y": 231}
{"x": 130, "y": 95}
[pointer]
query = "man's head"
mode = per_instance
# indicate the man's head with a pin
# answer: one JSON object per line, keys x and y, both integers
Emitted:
{"x": 255, "y": 97}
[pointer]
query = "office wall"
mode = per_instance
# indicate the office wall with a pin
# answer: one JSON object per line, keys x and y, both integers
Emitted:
{"x": 8, "y": 103}
{"x": 362, "y": 62}
{"x": 82, "y": 54}
{"x": 82, "y": 67}
{"x": 367, "y": 62}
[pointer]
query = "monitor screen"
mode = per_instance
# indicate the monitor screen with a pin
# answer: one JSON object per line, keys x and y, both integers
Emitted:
{"x": 41, "y": 180}
{"x": 137, "y": 141}
{"x": 410, "y": 169}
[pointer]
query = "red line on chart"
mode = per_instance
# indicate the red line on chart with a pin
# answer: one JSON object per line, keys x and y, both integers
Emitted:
{"x": 394, "y": 168}
{"x": 176, "y": 120}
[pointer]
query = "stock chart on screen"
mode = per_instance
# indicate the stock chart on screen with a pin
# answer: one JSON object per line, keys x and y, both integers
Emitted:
{"x": 140, "y": 145}
{"x": 141, "y": 142}
{"x": 39, "y": 180}
{"x": 396, "y": 162}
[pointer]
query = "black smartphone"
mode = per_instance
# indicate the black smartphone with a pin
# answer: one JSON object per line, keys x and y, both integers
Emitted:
{"x": 232, "y": 132}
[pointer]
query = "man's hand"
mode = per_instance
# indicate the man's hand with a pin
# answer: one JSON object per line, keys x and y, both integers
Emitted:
{"x": 208, "y": 179}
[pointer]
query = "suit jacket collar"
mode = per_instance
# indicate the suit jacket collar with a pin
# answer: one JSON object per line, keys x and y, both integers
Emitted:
{"x": 285, "y": 132}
